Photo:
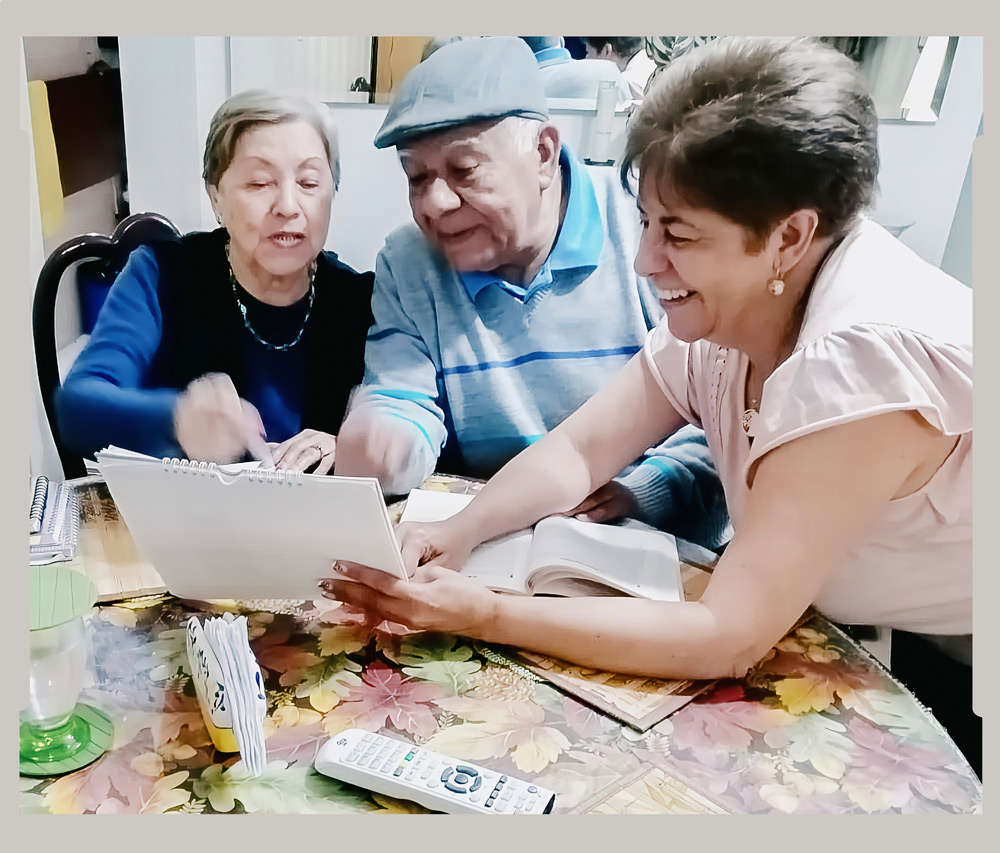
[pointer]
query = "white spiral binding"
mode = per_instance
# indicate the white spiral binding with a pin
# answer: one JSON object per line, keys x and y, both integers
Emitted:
{"x": 73, "y": 524}
{"x": 254, "y": 475}
{"x": 189, "y": 466}
{"x": 271, "y": 475}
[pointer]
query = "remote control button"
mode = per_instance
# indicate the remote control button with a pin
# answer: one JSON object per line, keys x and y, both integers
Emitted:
{"x": 503, "y": 778}
{"x": 505, "y": 796}
{"x": 469, "y": 771}
{"x": 475, "y": 798}
{"x": 398, "y": 771}
{"x": 477, "y": 783}
{"x": 532, "y": 789}
{"x": 460, "y": 778}
{"x": 446, "y": 774}
{"x": 500, "y": 806}
{"x": 451, "y": 786}
{"x": 433, "y": 783}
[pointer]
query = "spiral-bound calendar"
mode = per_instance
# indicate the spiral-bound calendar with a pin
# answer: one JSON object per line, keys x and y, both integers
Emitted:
{"x": 237, "y": 531}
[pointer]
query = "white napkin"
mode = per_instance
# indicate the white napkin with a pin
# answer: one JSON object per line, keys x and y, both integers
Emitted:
{"x": 228, "y": 682}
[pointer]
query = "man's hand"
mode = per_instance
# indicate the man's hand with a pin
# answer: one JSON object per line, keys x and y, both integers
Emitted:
{"x": 369, "y": 445}
{"x": 608, "y": 503}
{"x": 212, "y": 423}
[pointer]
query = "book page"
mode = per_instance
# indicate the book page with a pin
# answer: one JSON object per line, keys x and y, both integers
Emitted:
{"x": 631, "y": 557}
{"x": 502, "y": 563}
{"x": 499, "y": 564}
{"x": 424, "y": 505}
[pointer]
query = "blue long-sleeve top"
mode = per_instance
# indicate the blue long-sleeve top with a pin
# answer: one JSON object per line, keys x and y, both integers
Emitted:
{"x": 124, "y": 386}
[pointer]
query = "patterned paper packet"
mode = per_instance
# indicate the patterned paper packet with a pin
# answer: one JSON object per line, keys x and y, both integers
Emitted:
{"x": 229, "y": 687}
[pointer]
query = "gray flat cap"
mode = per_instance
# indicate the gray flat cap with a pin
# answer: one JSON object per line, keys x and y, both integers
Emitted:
{"x": 463, "y": 82}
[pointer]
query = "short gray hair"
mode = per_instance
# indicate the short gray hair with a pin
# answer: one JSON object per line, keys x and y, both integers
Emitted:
{"x": 522, "y": 132}
{"x": 246, "y": 110}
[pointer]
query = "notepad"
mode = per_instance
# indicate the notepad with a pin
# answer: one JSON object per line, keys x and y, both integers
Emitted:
{"x": 54, "y": 522}
{"x": 238, "y": 531}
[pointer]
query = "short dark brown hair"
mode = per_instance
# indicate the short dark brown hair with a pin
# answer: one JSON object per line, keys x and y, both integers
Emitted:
{"x": 757, "y": 128}
{"x": 624, "y": 46}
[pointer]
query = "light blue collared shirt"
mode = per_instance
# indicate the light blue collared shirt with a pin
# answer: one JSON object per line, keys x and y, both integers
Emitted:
{"x": 578, "y": 245}
{"x": 552, "y": 56}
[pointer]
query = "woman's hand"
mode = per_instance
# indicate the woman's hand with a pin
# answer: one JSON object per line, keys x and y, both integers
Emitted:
{"x": 435, "y": 599}
{"x": 608, "y": 503}
{"x": 310, "y": 450}
{"x": 434, "y": 543}
{"x": 212, "y": 423}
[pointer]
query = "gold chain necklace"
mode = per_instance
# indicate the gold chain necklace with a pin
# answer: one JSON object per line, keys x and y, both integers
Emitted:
{"x": 753, "y": 406}
{"x": 246, "y": 320}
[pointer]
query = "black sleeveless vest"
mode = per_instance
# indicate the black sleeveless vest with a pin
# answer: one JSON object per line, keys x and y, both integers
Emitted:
{"x": 202, "y": 325}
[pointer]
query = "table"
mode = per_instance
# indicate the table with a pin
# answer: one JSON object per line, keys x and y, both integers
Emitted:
{"x": 817, "y": 727}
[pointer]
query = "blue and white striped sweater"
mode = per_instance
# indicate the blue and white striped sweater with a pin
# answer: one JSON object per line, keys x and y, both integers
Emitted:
{"x": 498, "y": 373}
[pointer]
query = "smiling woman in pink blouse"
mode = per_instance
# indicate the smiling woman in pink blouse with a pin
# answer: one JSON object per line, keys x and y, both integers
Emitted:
{"x": 830, "y": 367}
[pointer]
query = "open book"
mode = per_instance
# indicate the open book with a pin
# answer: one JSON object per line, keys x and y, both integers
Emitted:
{"x": 564, "y": 556}
{"x": 239, "y": 531}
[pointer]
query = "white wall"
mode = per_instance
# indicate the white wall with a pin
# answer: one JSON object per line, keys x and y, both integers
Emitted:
{"x": 957, "y": 259}
{"x": 373, "y": 198}
{"x": 923, "y": 166}
{"x": 171, "y": 86}
{"x": 170, "y": 91}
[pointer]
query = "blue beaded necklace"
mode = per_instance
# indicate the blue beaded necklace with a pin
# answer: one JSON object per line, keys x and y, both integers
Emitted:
{"x": 243, "y": 308}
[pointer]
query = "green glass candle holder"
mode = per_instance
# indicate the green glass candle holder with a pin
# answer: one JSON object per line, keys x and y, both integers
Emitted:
{"x": 57, "y": 734}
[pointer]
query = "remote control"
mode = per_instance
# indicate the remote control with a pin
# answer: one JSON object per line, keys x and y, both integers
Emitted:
{"x": 437, "y": 782}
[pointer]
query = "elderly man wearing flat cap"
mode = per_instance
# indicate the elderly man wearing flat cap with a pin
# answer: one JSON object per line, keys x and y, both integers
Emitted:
{"x": 510, "y": 301}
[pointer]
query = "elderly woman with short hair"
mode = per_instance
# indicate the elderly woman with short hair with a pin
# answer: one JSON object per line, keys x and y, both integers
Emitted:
{"x": 209, "y": 343}
{"x": 829, "y": 365}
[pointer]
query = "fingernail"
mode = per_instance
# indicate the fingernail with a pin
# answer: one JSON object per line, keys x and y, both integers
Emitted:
{"x": 338, "y": 567}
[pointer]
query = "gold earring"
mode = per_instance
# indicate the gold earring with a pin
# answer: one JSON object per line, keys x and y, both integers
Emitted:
{"x": 776, "y": 285}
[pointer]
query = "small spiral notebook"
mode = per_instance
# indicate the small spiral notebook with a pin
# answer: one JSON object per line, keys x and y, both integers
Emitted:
{"x": 53, "y": 522}
{"x": 239, "y": 531}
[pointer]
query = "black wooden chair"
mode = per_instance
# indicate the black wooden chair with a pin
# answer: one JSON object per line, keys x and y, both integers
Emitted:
{"x": 111, "y": 253}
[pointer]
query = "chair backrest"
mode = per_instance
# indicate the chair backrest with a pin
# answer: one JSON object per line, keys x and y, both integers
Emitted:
{"x": 136, "y": 230}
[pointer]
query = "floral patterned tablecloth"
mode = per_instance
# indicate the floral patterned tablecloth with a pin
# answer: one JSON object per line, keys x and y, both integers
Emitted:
{"x": 817, "y": 727}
